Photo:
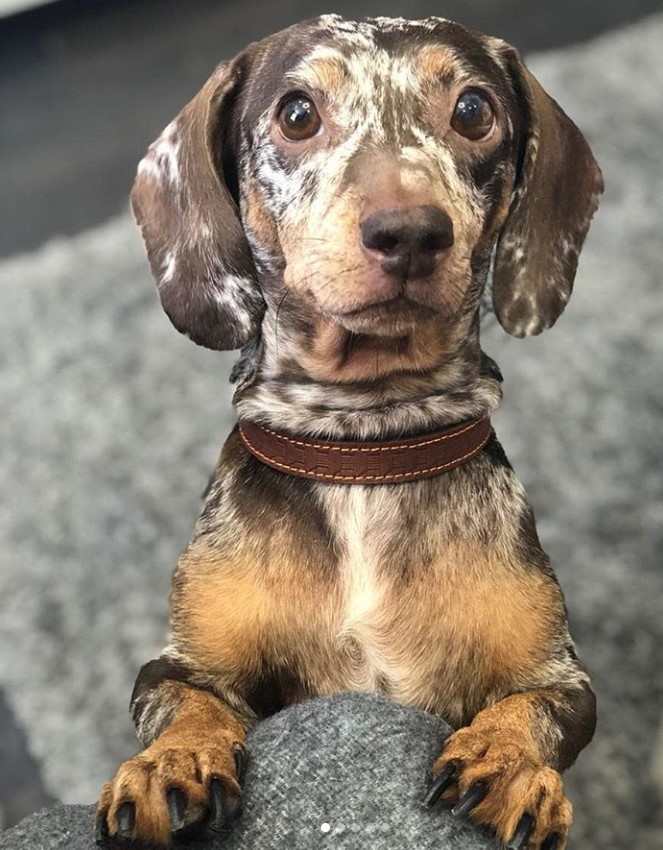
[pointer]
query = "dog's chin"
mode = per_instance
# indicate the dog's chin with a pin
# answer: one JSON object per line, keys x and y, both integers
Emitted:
{"x": 394, "y": 318}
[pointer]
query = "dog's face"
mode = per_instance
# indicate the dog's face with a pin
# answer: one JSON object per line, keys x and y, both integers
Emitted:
{"x": 345, "y": 185}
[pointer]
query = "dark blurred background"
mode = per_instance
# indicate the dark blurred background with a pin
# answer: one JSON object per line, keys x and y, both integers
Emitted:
{"x": 111, "y": 421}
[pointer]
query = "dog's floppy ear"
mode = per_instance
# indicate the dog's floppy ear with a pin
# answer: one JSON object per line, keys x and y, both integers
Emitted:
{"x": 190, "y": 222}
{"x": 555, "y": 196}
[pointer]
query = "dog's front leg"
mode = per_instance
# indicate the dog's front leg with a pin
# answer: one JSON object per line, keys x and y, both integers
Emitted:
{"x": 188, "y": 775}
{"x": 504, "y": 768}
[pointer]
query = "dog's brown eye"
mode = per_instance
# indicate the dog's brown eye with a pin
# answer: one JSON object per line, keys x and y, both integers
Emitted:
{"x": 298, "y": 118}
{"x": 473, "y": 116}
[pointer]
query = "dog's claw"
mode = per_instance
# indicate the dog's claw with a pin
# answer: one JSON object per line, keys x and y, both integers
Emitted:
{"x": 126, "y": 820}
{"x": 217, "y": 805}
{"x": 101, "y": 830}
{"x": 470, "y": 799}
{"x": 520, "y": 838}
{"x": 176, "y": 801}
{"x": 440, "y": 785}
{"x": 240, "y": 756}
{"x": 552, "y": 842}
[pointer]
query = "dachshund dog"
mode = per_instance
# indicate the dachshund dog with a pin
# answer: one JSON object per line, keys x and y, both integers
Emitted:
{"x": 334, "y": 202}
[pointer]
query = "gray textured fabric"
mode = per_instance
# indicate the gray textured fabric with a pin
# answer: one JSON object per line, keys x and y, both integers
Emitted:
{"x": 114, "y": 421}
{"x": 347, "y": 772}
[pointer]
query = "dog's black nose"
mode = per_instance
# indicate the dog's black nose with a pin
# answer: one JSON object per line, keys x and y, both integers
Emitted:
{"x": 409, "y": 239}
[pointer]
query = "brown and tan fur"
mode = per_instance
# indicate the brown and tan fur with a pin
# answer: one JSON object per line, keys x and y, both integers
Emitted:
{"x": 434, "y": 593}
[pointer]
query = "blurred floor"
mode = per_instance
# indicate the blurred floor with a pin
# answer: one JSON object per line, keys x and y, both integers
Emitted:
{"x": 85, "y": 86}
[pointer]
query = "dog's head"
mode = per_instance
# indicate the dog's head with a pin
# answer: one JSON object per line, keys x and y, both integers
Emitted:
{"x": 349, "y": 184}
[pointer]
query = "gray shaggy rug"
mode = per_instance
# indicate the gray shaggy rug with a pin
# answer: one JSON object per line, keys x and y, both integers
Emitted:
{"x": 111, "y": 423}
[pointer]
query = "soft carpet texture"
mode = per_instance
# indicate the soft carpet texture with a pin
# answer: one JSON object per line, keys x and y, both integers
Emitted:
{"x": 346, "y": 772}
{"x": 111, "y": 423}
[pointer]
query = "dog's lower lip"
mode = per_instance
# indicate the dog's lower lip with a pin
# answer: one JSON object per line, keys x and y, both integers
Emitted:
{"x": 399, "y": 303}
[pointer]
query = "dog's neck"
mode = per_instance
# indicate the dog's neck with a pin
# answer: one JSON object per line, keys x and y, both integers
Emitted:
{"x": 465, "y": 385}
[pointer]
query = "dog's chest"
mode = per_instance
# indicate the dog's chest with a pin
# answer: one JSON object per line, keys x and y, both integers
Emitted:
{"x": 420, "y": 595}
{"x": 371, "y": 532}
{"x": 414, "y": 591}
{"x": 364, "y": 527}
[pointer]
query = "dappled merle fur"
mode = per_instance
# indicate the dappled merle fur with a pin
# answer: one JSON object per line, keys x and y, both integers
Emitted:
{"x": 434, "y": 593}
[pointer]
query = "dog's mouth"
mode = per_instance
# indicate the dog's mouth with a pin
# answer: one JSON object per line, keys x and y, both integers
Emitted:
{"x": 376, "y": 339}
{"x": 394, "y": 317}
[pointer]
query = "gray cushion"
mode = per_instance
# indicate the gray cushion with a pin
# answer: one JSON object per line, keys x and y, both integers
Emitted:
{"x": 357, "y": 764}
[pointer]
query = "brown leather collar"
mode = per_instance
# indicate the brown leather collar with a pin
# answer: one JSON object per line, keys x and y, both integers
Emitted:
{"x": 366, "y": 463}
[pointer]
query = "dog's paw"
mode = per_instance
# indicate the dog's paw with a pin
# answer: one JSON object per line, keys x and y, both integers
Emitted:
{"x": 167, "y": 793}
{"x": 493, "y": 779}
